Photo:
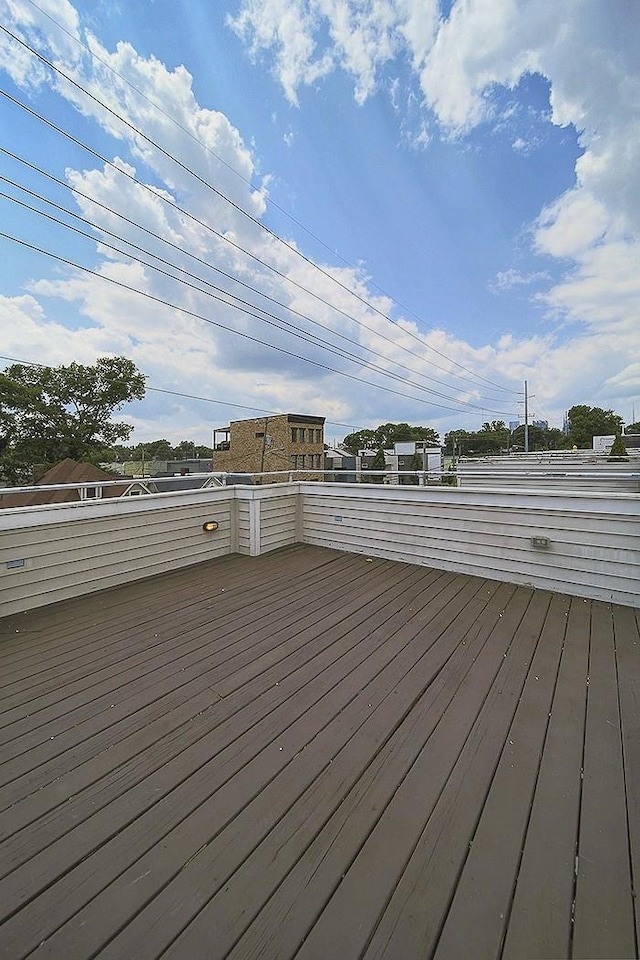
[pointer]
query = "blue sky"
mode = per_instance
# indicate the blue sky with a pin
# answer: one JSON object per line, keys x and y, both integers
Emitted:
{"x": 469, "y": 170}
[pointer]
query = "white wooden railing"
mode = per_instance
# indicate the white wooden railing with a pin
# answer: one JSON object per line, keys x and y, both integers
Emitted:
{"x": 584, "y": 544}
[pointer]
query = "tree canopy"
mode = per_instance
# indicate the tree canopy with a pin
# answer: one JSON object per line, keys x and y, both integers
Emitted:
{"x": 618, "y": 450}
{"x": 585, "y": 423}
{"x": 159, "y": 450}
{"x": 49, "y": 413}
{"x": 495, "y": 438}
{"x": 384, "y": 437}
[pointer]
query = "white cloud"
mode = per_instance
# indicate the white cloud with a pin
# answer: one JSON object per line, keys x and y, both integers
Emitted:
{"x": 29, "y": 22}
{"x": 588, "y": 53}
{"x": 507, "y": 279}
{"x": 457, "y": 63}
{"x": 288, "y": 27}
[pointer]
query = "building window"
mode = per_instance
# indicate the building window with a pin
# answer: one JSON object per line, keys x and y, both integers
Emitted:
{"x": 91, "y": 493}
{"x": 294, "y": 434}
{"x": 259, "y": 436}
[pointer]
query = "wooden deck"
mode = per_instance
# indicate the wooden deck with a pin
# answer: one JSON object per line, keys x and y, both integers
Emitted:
{"x": 312, "y": 754}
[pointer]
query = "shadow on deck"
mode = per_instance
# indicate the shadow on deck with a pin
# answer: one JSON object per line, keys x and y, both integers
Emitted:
{"x": 315, "y": 755}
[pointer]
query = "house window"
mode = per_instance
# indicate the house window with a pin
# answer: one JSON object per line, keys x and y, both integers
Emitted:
{"x": 294, "y": 461}
{"x": 294, "y": 434}
{"x": 259, "y": 436}
{"x": 301, "y": 460}
{"x": 91, "y": 493}
{"x": 301, "y": 434}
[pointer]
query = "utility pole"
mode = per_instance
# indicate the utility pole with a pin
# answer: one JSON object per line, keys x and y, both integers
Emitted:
{"x": 526, "y": 419}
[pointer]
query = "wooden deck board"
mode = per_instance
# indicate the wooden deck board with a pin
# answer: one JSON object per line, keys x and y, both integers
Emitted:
{"x": 604, "y": 923}
{"x": 204, "y": 723}
{"x": 627, "y": 640}
{"x": 308, "y": 754}
{"x": 483, "y": 893}
{"x": 173, "y": 659}
{"x": 382, "y": 701}
{"x": 540, "y": 922}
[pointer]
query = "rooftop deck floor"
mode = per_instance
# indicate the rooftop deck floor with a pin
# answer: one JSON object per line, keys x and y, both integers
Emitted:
{"x": 315, "y": 755}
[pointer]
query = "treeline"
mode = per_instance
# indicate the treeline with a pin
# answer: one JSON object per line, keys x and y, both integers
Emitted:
{"x": 160, "y": 450}
{"x": 584, "y": 423}
{"x": 495, "y": 438}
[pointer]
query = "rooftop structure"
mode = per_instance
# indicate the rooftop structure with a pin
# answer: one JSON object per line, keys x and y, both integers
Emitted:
{"x": 270, "y": 737}
{"x": 95, "y": 484}
{"x": 288, "y": 441}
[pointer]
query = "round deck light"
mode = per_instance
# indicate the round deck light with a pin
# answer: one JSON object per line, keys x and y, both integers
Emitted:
{"x": 209, "y": 526}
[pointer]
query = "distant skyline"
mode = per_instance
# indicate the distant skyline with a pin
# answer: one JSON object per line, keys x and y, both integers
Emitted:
{"x": 456, "y": 184}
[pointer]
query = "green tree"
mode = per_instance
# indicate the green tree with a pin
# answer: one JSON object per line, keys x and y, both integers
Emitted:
{"x": 120, "y": 453}
{"x": 185, "y": 450}
{"x": 495, "y": 438}
{"x": 492, "y": 438}
{"x": 632, "y": 427}
{"x": 378, "y": 463}
{"x": 589, "y": 422}
{"x": 158, "y": 450}
{"x": 459, "y": 443}
{"x": 360, "y": 440}
{"x": 539, "y": 439}
{"x": 384, "y": 437}
{"x": 618, "y": 450}
{"x": 49, "y": 413}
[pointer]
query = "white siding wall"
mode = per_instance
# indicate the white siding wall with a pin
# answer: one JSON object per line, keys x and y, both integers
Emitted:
{"x": 278, "y": 519}
{"x": 243, "y": 520}
{"x": 72, "y": 549}
{"x": 579, "y": 477}
{"x": 594, "y": 540}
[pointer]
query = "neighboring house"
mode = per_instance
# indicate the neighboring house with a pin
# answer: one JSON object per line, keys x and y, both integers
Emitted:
{"x": 417, "y": 454}
{"x": 67, "y": 471}
{"x": 630, "y": 440}
{"x": 341, "y": 466}
{"x": 102, "y": 485}
{"x": 403, "y": 458}
{"x": 287, "y": 441}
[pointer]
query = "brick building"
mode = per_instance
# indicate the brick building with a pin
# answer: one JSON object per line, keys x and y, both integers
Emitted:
{"x": 287, "y": 441}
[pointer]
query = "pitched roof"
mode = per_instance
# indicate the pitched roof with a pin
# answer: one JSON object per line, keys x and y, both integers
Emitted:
{"x": 67, "y": 471}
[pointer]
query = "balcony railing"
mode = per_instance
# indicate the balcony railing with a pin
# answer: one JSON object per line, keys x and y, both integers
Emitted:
{"x": 581, "y": 543}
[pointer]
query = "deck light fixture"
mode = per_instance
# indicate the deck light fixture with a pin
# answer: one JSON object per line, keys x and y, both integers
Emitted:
{"x": 209, "y": 526}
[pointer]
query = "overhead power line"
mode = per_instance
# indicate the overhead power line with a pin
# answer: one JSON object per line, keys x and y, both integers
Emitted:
{"x": 215, "y": 323}
{"x": 234, "y": 205}
{"x": 180, "y": 250}
{"x": 239, "y": 303}
{"x": 156, "y": 195}
{"x": 255, "y": 187}
{"x": 184, "y": 396}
